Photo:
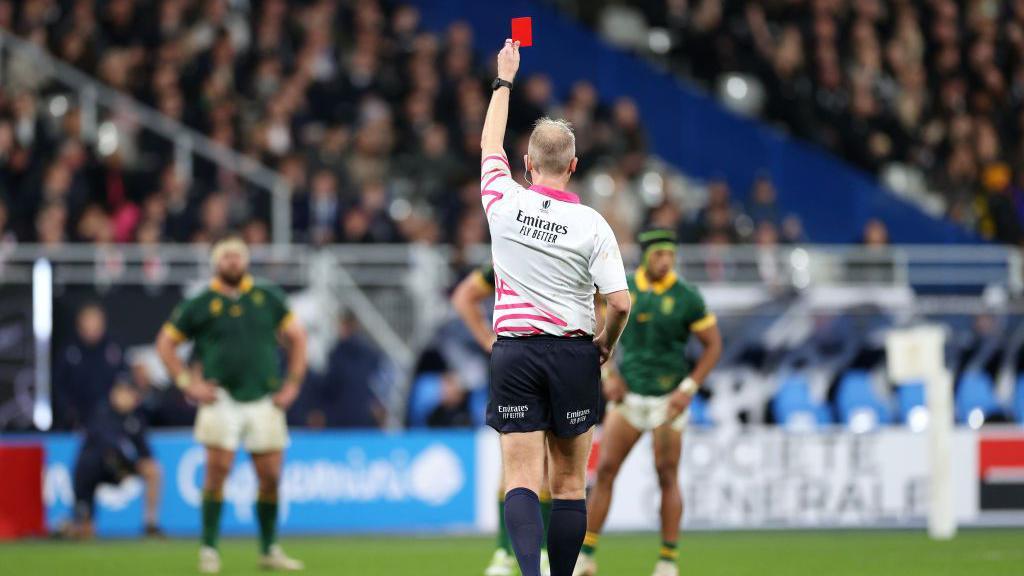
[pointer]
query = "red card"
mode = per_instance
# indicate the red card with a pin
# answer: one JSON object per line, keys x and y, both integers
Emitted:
{"x": 522, "y": 31}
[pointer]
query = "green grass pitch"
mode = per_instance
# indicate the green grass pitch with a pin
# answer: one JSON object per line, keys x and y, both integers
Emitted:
{"x": 824, "y": 553}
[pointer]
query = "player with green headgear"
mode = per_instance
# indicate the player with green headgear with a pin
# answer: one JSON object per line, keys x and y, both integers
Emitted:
{"x": 651, "y": 390}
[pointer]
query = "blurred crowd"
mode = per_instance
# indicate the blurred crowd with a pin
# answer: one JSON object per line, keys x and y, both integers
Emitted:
{"x": 345, "y": 393}
{"x": 933, "y": 84}
{"x": 373, "y": 123}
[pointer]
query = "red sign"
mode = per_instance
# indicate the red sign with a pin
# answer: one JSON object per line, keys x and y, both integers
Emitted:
{"x": 21, "y": 492}
{"x": 1001, "y": 473}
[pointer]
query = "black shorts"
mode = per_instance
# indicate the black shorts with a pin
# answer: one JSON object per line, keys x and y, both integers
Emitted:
{"x": 544, "y": 383}
{"x": 91, "y": 470}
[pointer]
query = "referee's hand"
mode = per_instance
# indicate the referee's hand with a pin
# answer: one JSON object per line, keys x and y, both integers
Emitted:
{"x": 508, "y": 60}
{"x": 603, "y": 347}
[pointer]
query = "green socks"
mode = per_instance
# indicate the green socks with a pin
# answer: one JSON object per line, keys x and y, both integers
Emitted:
{"x": 668, "y": 552}
{"x": 668, "y": 549}
{"x": 266, "y": 515}
{"x": 211, "y": 519}
{"x": 545, "y": 514}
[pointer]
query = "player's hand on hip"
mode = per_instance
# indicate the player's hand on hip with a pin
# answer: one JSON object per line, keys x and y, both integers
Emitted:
{"x": 202, "y": 392}
{"x": 678, "y": 401}
{"x": 286, "y": 396}
{"x": 508, "y": 60}
{"x": 603, "y": 347}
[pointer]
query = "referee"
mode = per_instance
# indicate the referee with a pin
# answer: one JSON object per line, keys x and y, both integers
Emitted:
{"x": 549, "y": 253}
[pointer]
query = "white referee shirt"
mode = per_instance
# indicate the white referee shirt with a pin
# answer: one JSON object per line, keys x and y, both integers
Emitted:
{"x": 550, "y": 253}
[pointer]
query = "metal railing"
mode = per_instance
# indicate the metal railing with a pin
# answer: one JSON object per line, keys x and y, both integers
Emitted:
{"x": 921, "y": 266}
{"x": 391, "y": 266}
{"x": 378, "y": 291}
{"x": 400, "y": 284}
{"x": 92, "y": 94}
{"x": 398, "y": 292}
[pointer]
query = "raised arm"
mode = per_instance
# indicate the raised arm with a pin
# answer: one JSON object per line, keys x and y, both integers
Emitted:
{"x": 493, "y": 137}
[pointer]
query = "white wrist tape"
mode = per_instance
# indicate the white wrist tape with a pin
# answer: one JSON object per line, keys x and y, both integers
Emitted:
{"x": 183, "y": 380}
{"x": 688, "y": 386}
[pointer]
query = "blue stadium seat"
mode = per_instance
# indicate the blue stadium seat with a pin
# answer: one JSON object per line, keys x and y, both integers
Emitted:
{"x": 975, "y": 392}
{"x": 425, "y": 396}
{"x": 823, "y": 412}
{"x": 699, "y": 414}
{"x": 1018, "y": 400}
{"x": 908, "y": 397}
{"x": 793, "y": 405}
{"x": 478, "y": 406}
{"x": 855, "y": 395}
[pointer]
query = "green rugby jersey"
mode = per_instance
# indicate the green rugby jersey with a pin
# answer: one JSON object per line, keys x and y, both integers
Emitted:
{"x": 235, "y": 339}
{"x": 485, "y": 275}
{"x": 653, "y": 359}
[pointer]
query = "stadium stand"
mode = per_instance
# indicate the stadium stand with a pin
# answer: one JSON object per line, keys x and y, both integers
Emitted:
{"x": 373, "y": 126}
{"x": 926, "y": 95}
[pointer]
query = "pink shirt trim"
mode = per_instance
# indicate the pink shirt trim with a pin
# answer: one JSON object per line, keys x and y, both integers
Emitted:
{"x": 560, "y": 195}
{"x": 497, "y": 157}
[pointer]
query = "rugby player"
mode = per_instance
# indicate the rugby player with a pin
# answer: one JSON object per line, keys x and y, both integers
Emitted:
{"x": 550, "y": 253}
{"x": 467, "y": 299}
{"x": 652, "y": 390}
{"x": 235, "y": 324}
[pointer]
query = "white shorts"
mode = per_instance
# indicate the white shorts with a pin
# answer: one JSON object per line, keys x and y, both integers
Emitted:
{"x": 228, "y": 423}
{"x": 648, "y": 412}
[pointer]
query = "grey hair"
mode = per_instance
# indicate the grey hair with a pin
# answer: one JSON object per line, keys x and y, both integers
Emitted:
{"x": 552, "y": 146}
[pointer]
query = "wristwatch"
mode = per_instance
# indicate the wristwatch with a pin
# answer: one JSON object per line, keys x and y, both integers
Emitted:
{"x": 499, "y": 83}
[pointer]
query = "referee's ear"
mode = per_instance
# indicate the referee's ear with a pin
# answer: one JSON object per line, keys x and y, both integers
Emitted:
{"x": 572, "y": 165}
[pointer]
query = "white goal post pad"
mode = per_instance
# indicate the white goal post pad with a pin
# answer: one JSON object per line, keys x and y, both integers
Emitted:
{"x": 915, "y": 354}
{"x": 918, "y": 355}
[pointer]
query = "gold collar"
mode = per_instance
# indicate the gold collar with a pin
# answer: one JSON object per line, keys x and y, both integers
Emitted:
{"x": 644, "y": 284}
{"x": 244, "y": 286}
